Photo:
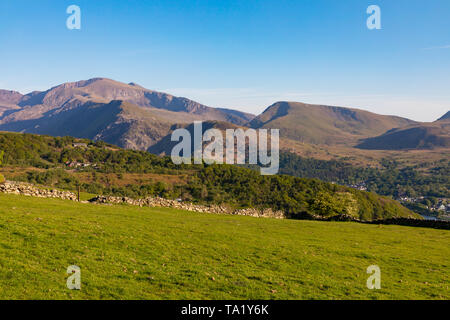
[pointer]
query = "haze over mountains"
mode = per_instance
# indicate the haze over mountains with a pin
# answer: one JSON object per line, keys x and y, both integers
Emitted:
{"x": 131, "y": 116}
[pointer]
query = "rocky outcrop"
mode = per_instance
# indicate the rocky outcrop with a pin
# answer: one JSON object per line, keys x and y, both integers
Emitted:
{"x": 161, "y": 202}
{"x": 27, "y": 189}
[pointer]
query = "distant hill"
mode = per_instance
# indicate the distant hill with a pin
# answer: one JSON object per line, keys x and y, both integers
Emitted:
{"x": 165, "y": 145}
{"x": 422, "y": 136}
{"x": 134, "y": 117}
{"x": 320, "y": 124}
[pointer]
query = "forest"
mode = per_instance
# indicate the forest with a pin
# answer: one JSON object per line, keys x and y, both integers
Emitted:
{"x": 52, "y": 157}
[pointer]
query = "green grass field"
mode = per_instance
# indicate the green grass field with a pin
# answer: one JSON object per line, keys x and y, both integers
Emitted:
{"x": 129, "y": 252}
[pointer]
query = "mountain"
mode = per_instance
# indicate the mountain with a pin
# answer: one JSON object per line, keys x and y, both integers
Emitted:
{"x": 165, "y": 145}
{"x": 10, "y": 97}
{"x": 320, "y": 124}
{"x": 422, "y": 136}
{"x": 117, "y": 122}
{"x": 445, "y": 117}
{"x": 124, "y": 114}
{"x": 102, "y": 90}
{"x": 134, "y": 117}
{"x": 9, "y": 101}
{"x": 417, "y": 136}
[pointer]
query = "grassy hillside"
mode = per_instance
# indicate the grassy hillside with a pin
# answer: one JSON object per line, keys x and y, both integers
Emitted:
{"x": 216, "y": 184}
{"x": 424, "y": 136}
{"x": 143, "y": 253}
{"x": 329, "y": 125}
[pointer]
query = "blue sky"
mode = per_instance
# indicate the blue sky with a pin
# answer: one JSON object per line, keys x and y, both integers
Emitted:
{"x": 239, "y": 54}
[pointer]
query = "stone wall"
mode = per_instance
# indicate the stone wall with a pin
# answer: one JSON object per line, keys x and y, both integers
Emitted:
{"x": 161, "y": 202}
{"x": 27, "y": 189}
{"x": 21, "y": 188}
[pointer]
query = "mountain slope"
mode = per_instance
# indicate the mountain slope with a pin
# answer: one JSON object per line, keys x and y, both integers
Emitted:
{"x": 321, "y": 124}
{"x": 8, "y": 101}
{"x": 131, "y": 116}
{"x": 127, "y": 115}
{"x": 165, "y": 145}
{"x": 445, "y": 117}
{"x": 10, "y": 97}
{"x": 101, "y": 90}
{"x": 422, "y": 136}
{"x": 216, "y": 184}
{"x": 117, "y": 122}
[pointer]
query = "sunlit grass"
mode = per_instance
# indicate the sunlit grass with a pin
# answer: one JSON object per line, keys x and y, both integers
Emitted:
{"x": 128, "y": 252}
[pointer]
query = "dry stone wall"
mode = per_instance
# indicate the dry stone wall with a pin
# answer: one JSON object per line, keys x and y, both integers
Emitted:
{"x": 27, "y": 189}
{"x": 161, "y": 202}
{"x": 21, "y": 188}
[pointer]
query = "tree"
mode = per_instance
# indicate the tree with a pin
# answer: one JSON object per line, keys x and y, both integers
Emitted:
{"x": 2, "y": 178}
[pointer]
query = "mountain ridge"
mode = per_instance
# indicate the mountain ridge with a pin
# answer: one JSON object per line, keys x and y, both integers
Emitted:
{"x": 445, "y": 117}
{"x": 132, "y": 116}
{"x": 419, "y": 137}
{"x": 104, "y": 90}
{"x": 322, "y": 124}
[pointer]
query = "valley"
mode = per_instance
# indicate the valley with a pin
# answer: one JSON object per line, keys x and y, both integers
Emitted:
{"x": 151, "y": 229}
{"x": 388, "y": 155}
{"x": 225, "y": 159}
{"x": 234, "y": 186}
